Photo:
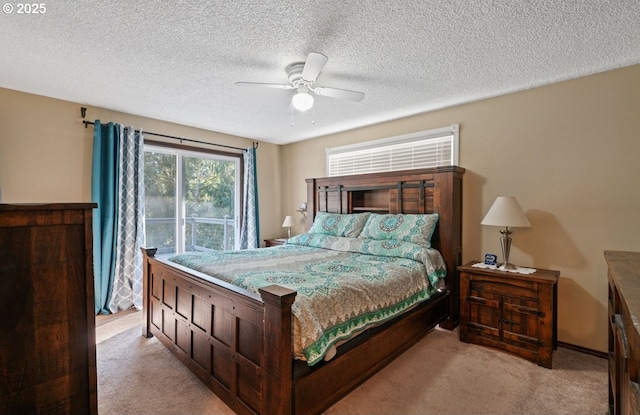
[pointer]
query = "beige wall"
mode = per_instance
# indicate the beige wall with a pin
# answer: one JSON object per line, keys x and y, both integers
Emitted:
{"x": 45, "y": 153}
{"x": 569, "y": 153}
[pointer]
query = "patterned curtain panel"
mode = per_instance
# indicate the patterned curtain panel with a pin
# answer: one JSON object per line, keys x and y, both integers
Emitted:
{"x": 104, "y": 176}
{"x": 127, "y": 280}
{"x": 117, "y": 187}
{"x": 249, "y": 231}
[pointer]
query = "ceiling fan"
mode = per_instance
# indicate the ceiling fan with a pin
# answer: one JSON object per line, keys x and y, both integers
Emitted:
{"x": 302, "y": 78}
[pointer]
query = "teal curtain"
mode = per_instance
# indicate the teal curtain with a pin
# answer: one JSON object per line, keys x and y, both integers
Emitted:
{"x": 104, "y": 178}
{"x": 250, "y": 229}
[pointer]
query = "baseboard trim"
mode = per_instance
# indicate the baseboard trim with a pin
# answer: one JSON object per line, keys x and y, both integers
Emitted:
{"x": 581, "y": 349}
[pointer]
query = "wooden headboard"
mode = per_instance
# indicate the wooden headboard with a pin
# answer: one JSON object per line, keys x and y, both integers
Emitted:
{"x": 408, "y": 191}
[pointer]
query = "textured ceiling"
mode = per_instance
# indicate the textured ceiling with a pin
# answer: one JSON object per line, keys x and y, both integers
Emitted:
{"x": 178, "y": 61}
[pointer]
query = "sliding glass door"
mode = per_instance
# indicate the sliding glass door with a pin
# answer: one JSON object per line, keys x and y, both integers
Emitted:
{"x": 192, "y": 200}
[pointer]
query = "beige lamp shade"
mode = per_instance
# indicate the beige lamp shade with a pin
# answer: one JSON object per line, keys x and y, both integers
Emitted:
{"x": 506, "y": 211}
{"x": 288, "y": 222}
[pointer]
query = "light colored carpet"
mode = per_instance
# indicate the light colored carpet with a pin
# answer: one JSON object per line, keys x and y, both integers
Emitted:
{"x": 439, "y": 375}
{"x": 109, "y": 326}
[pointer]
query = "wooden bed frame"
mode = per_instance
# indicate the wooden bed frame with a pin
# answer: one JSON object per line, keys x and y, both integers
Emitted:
{"x": 239, "y": 343}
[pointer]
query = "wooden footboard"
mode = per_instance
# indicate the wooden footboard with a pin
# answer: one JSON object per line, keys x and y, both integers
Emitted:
{"x": 237, "y": 343}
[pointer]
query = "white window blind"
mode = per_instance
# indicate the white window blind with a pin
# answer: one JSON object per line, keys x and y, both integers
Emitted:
{"x": 424, "y": 149}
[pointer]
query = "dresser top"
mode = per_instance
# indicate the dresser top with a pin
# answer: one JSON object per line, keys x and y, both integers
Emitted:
{"x": 624, "y": 268}
{"x": 45, "y": 206}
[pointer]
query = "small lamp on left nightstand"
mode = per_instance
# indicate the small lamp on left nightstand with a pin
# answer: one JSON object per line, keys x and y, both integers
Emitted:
{"x": 288, "y": 223}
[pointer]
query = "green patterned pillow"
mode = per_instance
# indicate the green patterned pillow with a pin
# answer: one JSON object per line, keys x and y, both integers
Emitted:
{"x": 339, "y": 224}
{"x": 411, "y": 228}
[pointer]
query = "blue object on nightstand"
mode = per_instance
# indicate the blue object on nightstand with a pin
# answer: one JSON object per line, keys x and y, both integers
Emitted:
{"x": 490, "y": 259}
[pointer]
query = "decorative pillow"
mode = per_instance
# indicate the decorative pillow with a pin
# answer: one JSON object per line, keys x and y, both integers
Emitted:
{"x": 339, "y": 224}
{"x": 411, "y": 228}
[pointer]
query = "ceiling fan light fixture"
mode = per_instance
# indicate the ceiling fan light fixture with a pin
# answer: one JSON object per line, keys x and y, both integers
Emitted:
{"x": 302, "y": 101}
{"x": 302, "y": 79}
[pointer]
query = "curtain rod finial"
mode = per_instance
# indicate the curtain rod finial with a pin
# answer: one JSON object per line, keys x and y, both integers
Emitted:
{"x": 83, "y": 112}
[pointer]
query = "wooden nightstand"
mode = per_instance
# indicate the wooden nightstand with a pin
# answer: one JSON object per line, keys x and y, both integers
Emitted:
{"x": 513, "y": 312}
{"x": 274, "y": 242}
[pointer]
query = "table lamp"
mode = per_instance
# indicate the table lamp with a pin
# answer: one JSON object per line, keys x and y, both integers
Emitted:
{"x": 506, "y": 212}
{"x": 288, "y": 223}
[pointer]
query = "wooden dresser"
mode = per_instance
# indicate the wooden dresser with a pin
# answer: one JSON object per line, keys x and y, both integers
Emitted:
{"x": 47, "y": 329}
{"x": 513, "y": 312}
{"x": 624, "y": 336}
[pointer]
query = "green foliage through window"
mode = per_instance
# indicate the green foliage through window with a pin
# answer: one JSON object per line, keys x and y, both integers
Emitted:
{"x": 209, "y": 196}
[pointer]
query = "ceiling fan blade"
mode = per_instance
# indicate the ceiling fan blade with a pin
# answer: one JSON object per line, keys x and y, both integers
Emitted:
{"x": 313, "y": 66}
{"x": 265, "y": 85}
{"x": 339, "y": 93}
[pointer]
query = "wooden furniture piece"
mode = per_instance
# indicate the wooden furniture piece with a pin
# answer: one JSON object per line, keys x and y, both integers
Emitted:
{"x": 274, "y": 242}
{"x": 240, "y": 344}
{"x": 47, "y": 329}
{"x": 624, "y": 335}
{"x": 510, "y": 311}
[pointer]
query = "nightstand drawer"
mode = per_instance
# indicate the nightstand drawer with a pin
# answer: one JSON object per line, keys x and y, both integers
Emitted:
{"x": 517, "y": 288}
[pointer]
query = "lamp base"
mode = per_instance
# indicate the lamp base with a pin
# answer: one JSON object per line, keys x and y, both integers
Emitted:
{"x": 505, "y": 244}
{"x": 507, "y": 267}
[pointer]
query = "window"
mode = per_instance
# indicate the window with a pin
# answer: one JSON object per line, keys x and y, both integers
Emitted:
{"x": 192, "y": 200}
{"x": 424, "y": 149}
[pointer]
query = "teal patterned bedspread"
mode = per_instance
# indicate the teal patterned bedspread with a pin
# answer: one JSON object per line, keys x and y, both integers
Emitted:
{"x": 344, "y": 285}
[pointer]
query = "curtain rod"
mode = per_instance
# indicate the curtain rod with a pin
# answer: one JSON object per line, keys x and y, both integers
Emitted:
{"x": 255, "y": 145}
